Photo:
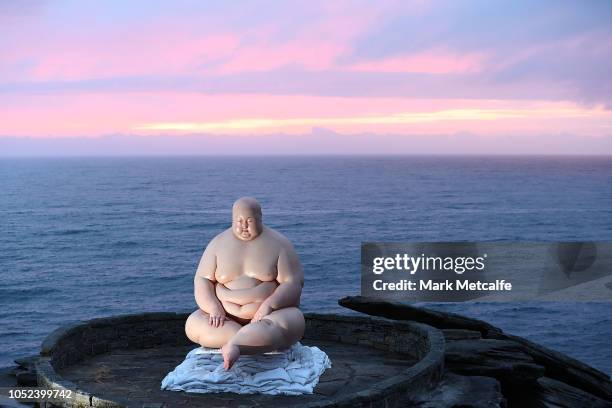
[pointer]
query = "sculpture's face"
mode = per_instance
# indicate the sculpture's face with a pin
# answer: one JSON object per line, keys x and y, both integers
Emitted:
{"x": 246, "y": 224}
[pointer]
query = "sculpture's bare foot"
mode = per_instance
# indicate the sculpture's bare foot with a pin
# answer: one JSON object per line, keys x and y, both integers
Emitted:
{"x": 230, "y": 353}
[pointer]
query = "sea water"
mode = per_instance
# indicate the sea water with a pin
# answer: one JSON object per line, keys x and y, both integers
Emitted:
{"x": 90, "y": 237}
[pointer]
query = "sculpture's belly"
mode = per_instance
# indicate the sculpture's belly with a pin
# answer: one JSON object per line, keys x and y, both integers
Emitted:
{"x": 243, "y": 303}
{"x": 246, "y": 281}
{"x": 244, "y": 291}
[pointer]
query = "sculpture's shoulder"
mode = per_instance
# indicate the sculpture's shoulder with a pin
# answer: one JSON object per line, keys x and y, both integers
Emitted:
{"x": 220, "y": 239}
{"x": 288, "y": 263}
{"x": 279, "y": 239}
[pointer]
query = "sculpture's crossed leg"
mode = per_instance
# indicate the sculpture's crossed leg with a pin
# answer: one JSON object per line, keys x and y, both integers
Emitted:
{"x": 276, "y": 331}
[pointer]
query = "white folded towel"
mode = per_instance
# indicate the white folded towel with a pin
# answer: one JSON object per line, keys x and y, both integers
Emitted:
{"x": 295, "y": 371}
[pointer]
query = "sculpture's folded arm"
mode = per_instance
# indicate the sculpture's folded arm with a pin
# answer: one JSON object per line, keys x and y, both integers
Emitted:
{"x": 205, "y": 296}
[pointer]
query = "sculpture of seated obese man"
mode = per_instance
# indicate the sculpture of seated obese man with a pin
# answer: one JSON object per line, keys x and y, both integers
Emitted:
{"x": 247, "y": 286}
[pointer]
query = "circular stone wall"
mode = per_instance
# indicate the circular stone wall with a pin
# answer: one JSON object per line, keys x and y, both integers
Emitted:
{"x": 78, "y": 342}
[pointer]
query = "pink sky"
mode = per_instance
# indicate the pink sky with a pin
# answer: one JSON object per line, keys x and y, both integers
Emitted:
{"x": 78, "y": 70}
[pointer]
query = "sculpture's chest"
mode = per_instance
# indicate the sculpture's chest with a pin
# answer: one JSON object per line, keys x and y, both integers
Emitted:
{"x": 258, "y": 262}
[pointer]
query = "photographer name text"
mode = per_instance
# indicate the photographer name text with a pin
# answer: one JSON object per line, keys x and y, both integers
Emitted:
{"x": 431, "y": 285}
{"x": 413, "y": 264}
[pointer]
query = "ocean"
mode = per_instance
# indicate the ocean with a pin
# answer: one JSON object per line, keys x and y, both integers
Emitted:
{"x": 90, "y": 237}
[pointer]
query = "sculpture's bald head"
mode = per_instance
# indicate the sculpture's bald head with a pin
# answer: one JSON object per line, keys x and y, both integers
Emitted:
{"x": 246, "y": 219}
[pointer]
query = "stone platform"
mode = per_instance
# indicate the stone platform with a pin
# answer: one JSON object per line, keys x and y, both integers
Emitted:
{"x": 403, "y": 356}
{"x": 134, "y": 376}
{"x": 120, "y": 362}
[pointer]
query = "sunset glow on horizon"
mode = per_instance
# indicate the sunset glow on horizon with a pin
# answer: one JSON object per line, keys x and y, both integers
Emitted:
{"x": 434, "y": 119}
{"x": 77, "y": 69}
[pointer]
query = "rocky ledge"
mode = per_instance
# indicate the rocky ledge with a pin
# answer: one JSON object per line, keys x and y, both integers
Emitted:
{"x": 485, "y": 367}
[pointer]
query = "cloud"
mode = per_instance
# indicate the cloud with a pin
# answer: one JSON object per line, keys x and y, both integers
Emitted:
{"x": 427, "y": 62}
{"x": 148, "y": 113}
{"x": 296, "y": 81}
{"x": 564, "y": 44}
{"x": 75, "y": 68}
{"x": 318, "y": 141}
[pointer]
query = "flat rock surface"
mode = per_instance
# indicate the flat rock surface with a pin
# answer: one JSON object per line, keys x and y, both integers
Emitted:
{"x": 513, "y": 360}
{"x": 489, "y": 357}
{"x": 553, "y": 393}
{"x": 404, "y": 311}
{"x": 133, "y": 377}
{"x": 465, "y": 392}
{"x": 460, "y": 334}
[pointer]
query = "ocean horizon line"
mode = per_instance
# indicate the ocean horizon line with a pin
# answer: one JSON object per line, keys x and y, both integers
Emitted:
{"x": 311, "y": 155}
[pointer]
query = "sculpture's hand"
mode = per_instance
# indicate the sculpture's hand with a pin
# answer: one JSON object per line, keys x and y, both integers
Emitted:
{"x": 216, "y": 317}
{"x": 263, "y": 310}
